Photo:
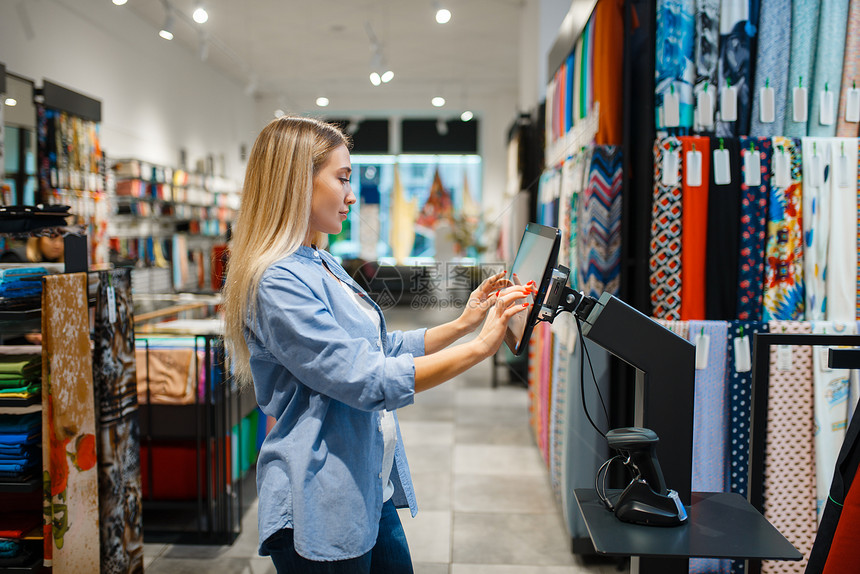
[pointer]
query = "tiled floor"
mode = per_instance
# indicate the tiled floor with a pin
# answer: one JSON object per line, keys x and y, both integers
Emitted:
{"x": 483, "y": 491}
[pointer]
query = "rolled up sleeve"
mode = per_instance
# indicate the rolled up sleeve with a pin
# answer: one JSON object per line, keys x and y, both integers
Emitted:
{"x": 301, "y": 333}
{"x": 411, "y": 342}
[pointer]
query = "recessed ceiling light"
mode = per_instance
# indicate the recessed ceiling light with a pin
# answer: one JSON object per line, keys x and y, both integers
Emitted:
{"x": 120, "y": 2}
{"x": 443, "y": 16}
{"x": 322, "y": 101}
{"x": 466, "y": 116}
{"x": 200, "y": 15}
{"x": 11, "y": 102}
{"x": 438, "y": 101}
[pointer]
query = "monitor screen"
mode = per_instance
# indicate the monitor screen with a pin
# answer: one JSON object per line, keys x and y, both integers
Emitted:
{"x": 535, "y": 260}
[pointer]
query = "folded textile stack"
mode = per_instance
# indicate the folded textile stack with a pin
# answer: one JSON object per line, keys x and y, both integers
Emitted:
{"x": 17, "y": 282}
{"x": 20, "y": 376}
{"x": 20, "y": 445}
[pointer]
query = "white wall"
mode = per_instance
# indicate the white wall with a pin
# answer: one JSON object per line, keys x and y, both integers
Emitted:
{"x": 540, "y": 25}
{"x": 157, "y": 96}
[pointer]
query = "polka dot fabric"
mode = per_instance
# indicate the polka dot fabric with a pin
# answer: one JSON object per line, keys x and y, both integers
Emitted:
{"x": 789, "y": 472}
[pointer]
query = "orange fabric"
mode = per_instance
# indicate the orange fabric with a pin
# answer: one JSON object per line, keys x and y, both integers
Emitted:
{"x": 694, "y": 232}
{"x": 608, "y": 69}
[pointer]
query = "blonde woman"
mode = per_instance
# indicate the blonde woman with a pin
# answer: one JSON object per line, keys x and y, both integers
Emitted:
{"x": 333, "y": 470}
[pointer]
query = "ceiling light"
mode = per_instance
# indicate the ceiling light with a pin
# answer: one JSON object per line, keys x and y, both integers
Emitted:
{"x": 443, "y": 16}
{"x": 438, "y": 101}
{"x": 200, "y": 14}
{"x": 166, "y": 31}
{"x": 11, "y": 102}
{"x": 387, "y": 76}
{"x": 375, "y": 79}
{"x": 322, "y": 101}
{"x": 120, "y": 2}
{"x": 466, "y": 116}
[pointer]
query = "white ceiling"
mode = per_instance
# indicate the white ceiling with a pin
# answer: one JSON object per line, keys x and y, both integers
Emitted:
{"x": 293, "y": 51}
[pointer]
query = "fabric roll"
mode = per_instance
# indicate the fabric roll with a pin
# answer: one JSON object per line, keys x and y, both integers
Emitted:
{"x": 600, "y": 224}
{"x": 574, "y": 176}
{"x": 850, "y": 70}
{"x": 804, "y": 38}
{"x": 558, "y": 414}
{"x": 674, "y": 70}
{"x": 576, "y": 90}
{"x": 841, "y": 290}
{"x": 789, "y": 465}
{"x": 665, "y": 249}
{"x": 784, "y": 292}
{"x": 402, "y": 226}
{"x": 694, "y": 226}
{"x": 706, "y": 53}
{"x": 544, "y": 389}
{"x": 818, "y": 172}
{"x": 829, "y": 54}
{"x": 843, "y": 549}
{"x": 608, "y": 57}
{"x": 588, "y": 68}
{"x": 753, "y": 230}
{"x": 831, "y": 408}
{"x": 738, "y": 22}
{"x": 771, "y": 68}
{"x": 565, "y": 197}
{"x": 721, "y": 267}
{"x": 115, "y": 384}
{"x": 71, "y": 505}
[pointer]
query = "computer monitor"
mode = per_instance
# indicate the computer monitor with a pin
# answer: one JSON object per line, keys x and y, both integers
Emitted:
{"x": 535, "y": 260}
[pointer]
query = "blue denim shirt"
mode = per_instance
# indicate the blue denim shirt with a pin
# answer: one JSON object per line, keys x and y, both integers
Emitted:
{"x": 320, "y": 372}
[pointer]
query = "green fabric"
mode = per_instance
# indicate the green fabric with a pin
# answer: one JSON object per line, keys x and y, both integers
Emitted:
{"x": 17, "y": 365}
{"x": 30, "y": 389}
{"x": 583, "y": 111}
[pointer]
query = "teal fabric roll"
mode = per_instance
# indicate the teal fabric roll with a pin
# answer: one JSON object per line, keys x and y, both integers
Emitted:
{"x": 828, "y": 63}
{"x": 804, "y": 34}
{"x": 772, "y": 60}
{"x": 674, "y": 70}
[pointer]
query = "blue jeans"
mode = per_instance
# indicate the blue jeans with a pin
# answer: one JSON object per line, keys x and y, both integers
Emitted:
{"x": 390, "y": 555}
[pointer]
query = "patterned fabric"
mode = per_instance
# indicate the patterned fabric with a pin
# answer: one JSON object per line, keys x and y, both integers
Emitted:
{"x": 694, "y": 231}
{"x": 558, "y": 413}
{"x": 850, "y": 69}
{"x": 665, "y": 259}
{"x": 832, "y": 21}
{"x": 600, "y": 233}
{"x": 842, "y": 246}
{"x": 71, "y": 505}
{"x": 831, "y": 408}
{"x": 115, "y": 384}
{"x": 771, "y": 69}
{"x": 804, "y": 38}
{"x": 789, "y": 505}
{"x": 753, "y": 231}
{"x": 721, "y": 266}
{"x": 674, "y": 69}
{"x": 738, "y": 21}
{"x": 576, "y": 179}
{"x": 816, "y": 223}
{"x": 707, "y": 53}
{"x": 784, "y": 288}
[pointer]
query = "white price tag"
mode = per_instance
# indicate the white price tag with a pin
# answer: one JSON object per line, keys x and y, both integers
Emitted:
{"x": 722, "y": 171}
{"x": 693, "y": 168}
{"x": 111, "y": 304}
{"x": 703, "y": 342}
{"x": 800, "y": 109}
{"x": 743, "y": 360}
{"x": 783, "y": 358}
{"x": 826, "y": 111}
{"x": 852, "y": 106}
{"x": 671, "y": 163}
{"x": 752, "y": 168}
{"x": 705, "y": 109}
{"x": 781, "y": 169}
{"x": 842, "y": 179}
{"x": 729, "y": 104}
{"x": 767, "y": 105}
{"x": 671, "y": 110}
{"x": 815, "y": 177}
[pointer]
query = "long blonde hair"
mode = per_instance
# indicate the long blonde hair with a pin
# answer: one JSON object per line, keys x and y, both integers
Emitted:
{"x": 274, "y": 217}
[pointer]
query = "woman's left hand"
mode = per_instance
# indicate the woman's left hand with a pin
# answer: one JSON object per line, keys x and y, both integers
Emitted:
{"x": 480, "y": 300}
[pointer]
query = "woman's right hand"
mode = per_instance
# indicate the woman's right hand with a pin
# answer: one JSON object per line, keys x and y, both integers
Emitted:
{"x": 508, "y": 303}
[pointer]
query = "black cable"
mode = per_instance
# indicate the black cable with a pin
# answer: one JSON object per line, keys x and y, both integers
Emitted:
{"x": 582, "y": 382}
{"x": 590, "y": 366}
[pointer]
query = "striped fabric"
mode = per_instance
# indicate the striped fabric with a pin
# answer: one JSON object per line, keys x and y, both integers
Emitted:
{"x": 665, "y": 249}
{"x": 774, "y": 48}
{"x": 784, "y": 281}
{"x": 753, "y": 231}
{"x": 828, "y": 63}
{"x": 674, "y": 70}
{"x": 600, "y": 224}
{"x": 804, "y": 37}
{"x": 850, "y": 69}
{"x": 706, "y": 53}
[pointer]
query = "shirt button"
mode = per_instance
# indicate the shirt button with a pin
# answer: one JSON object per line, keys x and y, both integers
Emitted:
{"x": 316, "y": 254}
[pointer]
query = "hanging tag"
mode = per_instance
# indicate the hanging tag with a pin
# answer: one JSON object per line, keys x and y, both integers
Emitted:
{"x": 815, "y": 177}
{"x": 752, "y": 168}
{"x": 722, "y": 172}
{"x": 767, "y": 105}
{"x": 705, "y": 109}
{"x": 111, "y": 304}
{"x": 671, "y": 163}
{"x": 729, "y": 104}
{"x": 800, "y": 109}
{"x": 852, "y": 108}
{"x": 842, "y": 179}
{"x": 671, "y": 110}
{"x": 823, "y": 359}
{"x": 693, "y": 168}
{"x": 783, "y": 358}
{"x": 743, "y": 362}
{"x": 703, "y": 343}
{"x": 781, "y": 169}
{"x": 826, "y": 113}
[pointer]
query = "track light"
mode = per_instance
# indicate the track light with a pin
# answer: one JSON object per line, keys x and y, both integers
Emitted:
{"x": 322, "y": 101}
{"x": 200, "y": 14}
{"x": 375, "y": 79}
{"x": 387, "y": 76}
{"x": 438, "y": 101}
{"x": 466, "y": 116}
{"x": 166, "y": 31}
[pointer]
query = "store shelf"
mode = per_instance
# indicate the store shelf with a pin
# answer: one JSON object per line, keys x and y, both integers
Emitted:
{"x": 35, "y": 565}
{"x": 32, "y": 484}
{"x": 21, "y": 315}
{"x": 21, "y": 406}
